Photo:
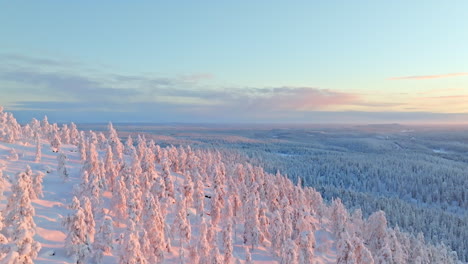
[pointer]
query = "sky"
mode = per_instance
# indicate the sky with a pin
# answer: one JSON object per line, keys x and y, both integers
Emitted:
{"x": 235, "y": 61}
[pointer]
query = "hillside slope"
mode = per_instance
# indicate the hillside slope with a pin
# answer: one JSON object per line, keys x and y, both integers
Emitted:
{"x": 107, "y": 202}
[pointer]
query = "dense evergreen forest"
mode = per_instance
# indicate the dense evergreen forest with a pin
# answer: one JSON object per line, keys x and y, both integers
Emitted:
{"x": 417, "y": 175}
{"x": 80, "y": 196}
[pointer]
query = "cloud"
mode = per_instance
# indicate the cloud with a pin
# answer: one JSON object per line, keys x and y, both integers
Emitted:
{"x": 425, "y": 77}
{"x": 66, "y": 86}
{"x": 463, "y": 97}
{"x": 23, "y": 61}
{"x": 293, "y": 98}
{"x": 198, "y": 77}
{"x": 380, "y": 104}
{"x": 70, "y": 89}
{"x": 149, "y": 81}
{"x": 118, "y": 91}
{"x": 246, "y": 101}
{"x": 456, "y": 103}
{"x": 72, "y": 94}
{"x": 144, "y": 98}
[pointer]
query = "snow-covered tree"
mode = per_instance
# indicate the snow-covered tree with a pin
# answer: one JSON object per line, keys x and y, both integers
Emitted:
{"x": 134, "y": 204}
{"x": 35, "y": 126}
{"x": 199, "y": 196}
{"x": 10, "y": 130}
{"x": 102, "y": 141}
{"x": 276, "y": 231}
{"x": 38, "y": 148}
{"x": 77, "y": 242}
{"x": 357, "y": 223}
{"x": 89, "y": 218}
{"x": 253, "y": 236}
{"x": 11, "y": 257}
{"x": 135, "y": 168}
{"x": 376, "y": 231}
{"x": 74, "y": 134}
{"x": 168, "y": 183}
{"x": 215, "y": 257}
{"x": 82, "y": 145}
{"x": 95, "y": 189}
{"x": 289, "y": 253}
{"x": 263, "y": 220}
{"x": 141, "y": 146}
{"x": 345, "y": 250}
{"x": 45, "y": 126}
{"x": 20, "y": 220}
{"x": 145, "y": 244}
{"x": 361, "y": 253}
{"x": 119, "y": 199}
{"x": 227, "y": 243}
{"x": 91, "y": 164}
{"x": 228, "y": 211}
{"x": 21, "y": 187}
{"x": 159, "y": 190}
{"x": 153, "y": 223}
{"x": 114, "y": 142}
{"x": 306, "y": 245}
{"x": 2, "y": 185}
{"x": 128, "y": 145}
{"x": 399, "y": 256}
{"x": 203, "y": 246}
{"x": 339, "y": 217}
{"x": 37, "y": 185}
{"x": 181, "y": 225}
{"x": 236, "y": 207}
{"x": 111, "y": 170}
{"x": 248, "y": 256}
{"x": 193, "y": 254}
{"x": 65, "y": 134}
{"x": 13, "y": 156}
{"x": 418, "y": 255}
{"x": 188, "y": 190}
{"x": 130, "y": 252}
{"x": 103, "y": 242}
{"x": 216, "y": 208}
{"x": 55, "y": 143}
{"x": 61, "y": 166}
{"x": 27, "y": 131}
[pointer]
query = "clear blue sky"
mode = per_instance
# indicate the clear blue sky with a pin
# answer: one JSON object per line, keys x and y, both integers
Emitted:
{"x": 236, "y": 61}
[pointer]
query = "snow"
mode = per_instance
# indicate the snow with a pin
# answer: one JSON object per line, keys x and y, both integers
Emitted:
{"x": 440, "y": 151}
{"x": 272, "y": 219}
{"x": 52, "y": 208}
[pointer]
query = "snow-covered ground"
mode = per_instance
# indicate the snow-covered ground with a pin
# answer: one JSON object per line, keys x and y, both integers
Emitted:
{"x": 140, "y": 203}
{"x": 51, "y": 209}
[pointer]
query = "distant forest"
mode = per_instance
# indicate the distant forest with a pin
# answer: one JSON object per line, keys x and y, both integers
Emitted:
{"x": 418, "y": 176}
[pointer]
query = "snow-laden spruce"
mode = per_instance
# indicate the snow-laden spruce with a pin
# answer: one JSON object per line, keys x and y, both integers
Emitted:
{"x": 141, "y": 203}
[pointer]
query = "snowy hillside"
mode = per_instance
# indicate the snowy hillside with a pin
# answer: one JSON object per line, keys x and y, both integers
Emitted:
{"x": 71, "y": 196}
